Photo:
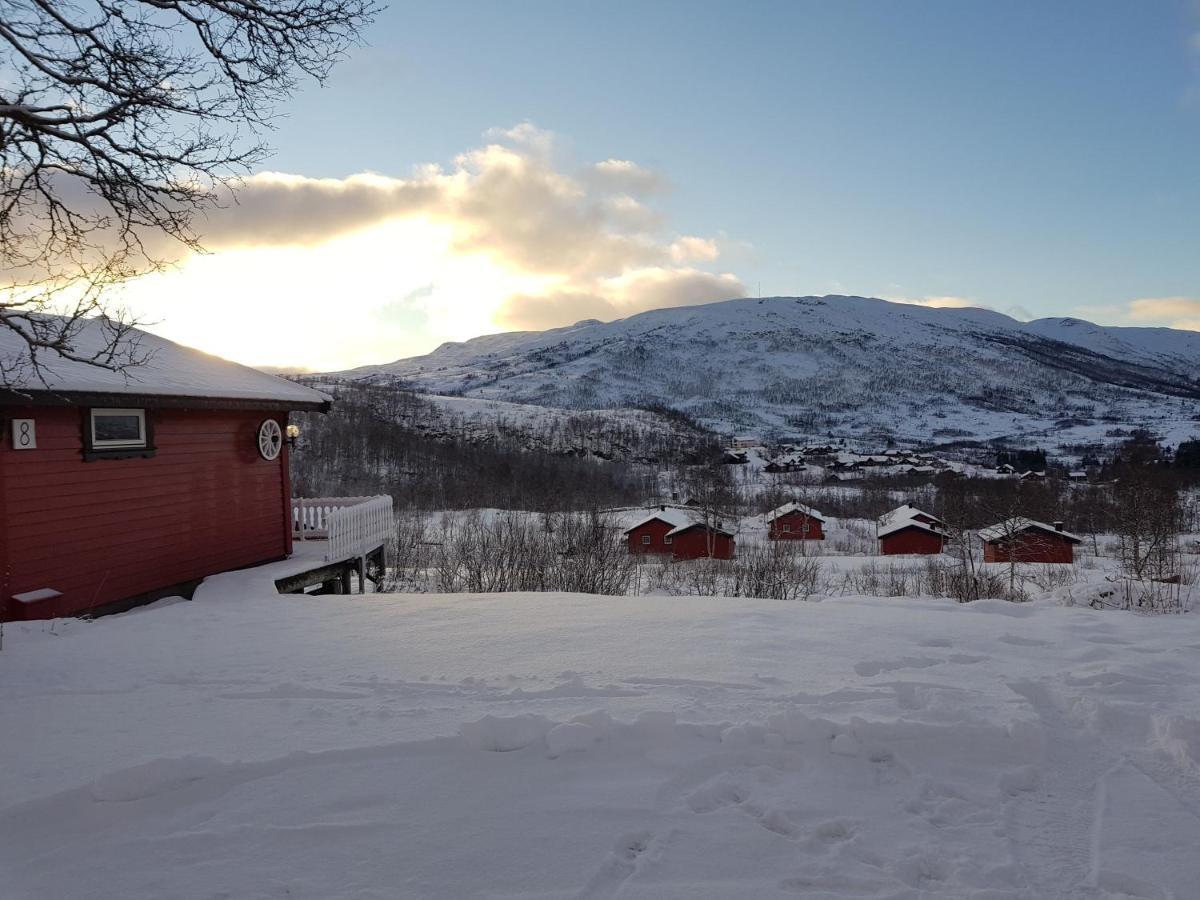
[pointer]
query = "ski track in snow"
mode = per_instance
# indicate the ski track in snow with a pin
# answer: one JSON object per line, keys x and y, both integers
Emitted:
{"x": 583, "y": 747}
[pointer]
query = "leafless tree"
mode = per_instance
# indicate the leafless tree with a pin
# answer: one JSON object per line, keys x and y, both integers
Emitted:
{"x": 120, "y": 122}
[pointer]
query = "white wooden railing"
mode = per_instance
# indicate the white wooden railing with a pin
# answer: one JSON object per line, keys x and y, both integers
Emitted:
{"x": 353, "y": 526}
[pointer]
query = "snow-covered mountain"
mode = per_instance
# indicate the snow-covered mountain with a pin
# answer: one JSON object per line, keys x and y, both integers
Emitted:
{"x": 844, "y": 366}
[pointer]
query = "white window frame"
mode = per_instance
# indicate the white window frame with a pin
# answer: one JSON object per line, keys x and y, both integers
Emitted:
{"x": 141, "y": 443}
{"x": 785, "y": 527}
{"x": 645, "y": 540}
{"x": 667, "y": 539}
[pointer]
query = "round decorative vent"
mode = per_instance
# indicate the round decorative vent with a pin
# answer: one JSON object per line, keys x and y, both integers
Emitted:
{"x": 270, "y": 439}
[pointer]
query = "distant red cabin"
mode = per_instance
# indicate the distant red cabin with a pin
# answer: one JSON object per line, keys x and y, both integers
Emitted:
{"x": 1026, "y": 541}
{"x": 911, "y": 538}
{"x": 703, "y": 541}
{"x": 675, "y": 533}
{"x": 795, "y": 522}
{"x": 116, "y": 492}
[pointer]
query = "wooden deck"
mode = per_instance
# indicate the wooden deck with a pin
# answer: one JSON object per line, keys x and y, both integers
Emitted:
{"x": 337, "y": 541}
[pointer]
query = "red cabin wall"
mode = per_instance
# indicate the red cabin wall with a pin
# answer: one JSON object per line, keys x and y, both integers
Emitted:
{"x": 698, "y": 543}
{"x": 1035, "y": 547}
{"x": 796, "y": 520}
{"x": 911, "y": 540}
{"x": 657, "y": 530}
{"x": 113, "y": 529}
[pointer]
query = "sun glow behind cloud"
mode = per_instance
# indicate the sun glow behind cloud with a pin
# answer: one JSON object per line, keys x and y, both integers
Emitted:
{"x": 332, "y": 273}
{"x": 375, "y": 294}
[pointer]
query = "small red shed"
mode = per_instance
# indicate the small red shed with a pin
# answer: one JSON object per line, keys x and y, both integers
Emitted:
{"x": 1024, "y": 540}
{"x": 680, "y": 534}
{"x": 120, "y": 488}
{"x": 795, "y": 522}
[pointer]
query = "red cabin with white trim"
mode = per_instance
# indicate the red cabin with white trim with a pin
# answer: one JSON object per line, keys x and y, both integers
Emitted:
{"x": 795, "y": 522}
{"x": 679, "y": 534}
{"x": 117, "y": 489}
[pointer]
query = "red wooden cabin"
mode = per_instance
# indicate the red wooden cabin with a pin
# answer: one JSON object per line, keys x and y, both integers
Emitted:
{"x": 681, "y": 535}
{"x": 911, "y": 537}
{"x": 117, "y": 489}
{"x": 795, "y": 522}
{"x": 1027, "y": 541}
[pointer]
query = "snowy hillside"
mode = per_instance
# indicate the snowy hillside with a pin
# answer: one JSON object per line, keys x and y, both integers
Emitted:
{"x": 560, "y": 745}
{"x": 847, "y": 366}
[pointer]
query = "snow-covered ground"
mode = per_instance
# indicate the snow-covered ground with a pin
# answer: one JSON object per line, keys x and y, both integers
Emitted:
{"x": 520, "y": 745}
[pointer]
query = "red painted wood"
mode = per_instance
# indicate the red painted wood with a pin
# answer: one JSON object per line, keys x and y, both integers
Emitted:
{"x": 700, "y": 542}
{"x": 1032, "y": 546}
{"x": 800, "y": 527}
{"x": 656, "y": 530}
{"x": 112, "y": 529}
{"x": 692, "y": 543}
{"x": 911, "y": 540}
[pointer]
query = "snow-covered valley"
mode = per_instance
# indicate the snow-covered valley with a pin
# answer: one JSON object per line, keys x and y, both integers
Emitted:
{"x": 558, "y": 745}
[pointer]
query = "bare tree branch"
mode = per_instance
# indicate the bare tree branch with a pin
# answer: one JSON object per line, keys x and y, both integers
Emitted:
{"x": 119, "y": 123}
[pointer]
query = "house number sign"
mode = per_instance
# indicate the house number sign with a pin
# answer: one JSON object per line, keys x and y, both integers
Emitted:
{"x": 24, "y": 434}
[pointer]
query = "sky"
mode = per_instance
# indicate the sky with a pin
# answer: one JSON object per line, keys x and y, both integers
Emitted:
{"x": 481, "y": 167}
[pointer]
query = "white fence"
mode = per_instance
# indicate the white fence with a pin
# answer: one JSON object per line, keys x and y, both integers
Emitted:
{"x": 353, "y": 526}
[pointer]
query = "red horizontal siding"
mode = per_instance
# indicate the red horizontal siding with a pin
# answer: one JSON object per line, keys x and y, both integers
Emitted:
{"x": 801, "y": 527}
{"x": 1033, "y": 546}
{"x": 911, "y": 540}
{"x": 112, "y": 529}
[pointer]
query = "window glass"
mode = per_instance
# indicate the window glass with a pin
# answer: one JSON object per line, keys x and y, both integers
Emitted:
{"x": 118, "y": 428}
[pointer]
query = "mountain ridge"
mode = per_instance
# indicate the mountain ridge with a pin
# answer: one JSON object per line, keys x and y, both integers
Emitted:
{"x": 834, "y": 365}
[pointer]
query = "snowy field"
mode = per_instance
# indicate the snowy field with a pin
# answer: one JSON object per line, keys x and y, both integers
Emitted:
{"x": 524, "y": 745}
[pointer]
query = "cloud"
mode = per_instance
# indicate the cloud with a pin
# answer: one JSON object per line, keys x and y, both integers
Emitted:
{"x": 624, "y": 295}
{"x": 588, "y": 231}
{"x": 624, "y": 176}
{"x": 1175, "y": 312}
{"x": 940, "y": 302}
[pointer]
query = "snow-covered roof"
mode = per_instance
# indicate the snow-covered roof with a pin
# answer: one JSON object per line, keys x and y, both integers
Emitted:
{"x": 697, "y": 523}
{"x": 678, "y": 519}
{"x": 1020, "y": 523}
{"x": 901, "y": 514}
{"x": 900, "y": 524}
{"x": 673, "y": 516}
{"x": 169, "y": 370}
{"x": 790, "y": 507}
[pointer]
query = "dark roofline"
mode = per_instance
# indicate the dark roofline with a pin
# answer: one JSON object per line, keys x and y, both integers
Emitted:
{"x": 154, "y": 401}
{"x": 719, "y": 529}
{"x": 1033, "y": 526}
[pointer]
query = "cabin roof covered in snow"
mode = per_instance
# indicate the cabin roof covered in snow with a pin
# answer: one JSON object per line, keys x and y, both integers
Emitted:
{"x": 903, "y": 514}
{"x": 1018, "y": 524}
{"x": 790, "y": 507}
{"x": 169, "y": 370}
{"x": 901, "y": 523}
{"x": 671, "y": 515}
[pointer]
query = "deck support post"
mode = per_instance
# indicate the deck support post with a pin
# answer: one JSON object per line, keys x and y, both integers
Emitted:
{"x": 362, "y": 574}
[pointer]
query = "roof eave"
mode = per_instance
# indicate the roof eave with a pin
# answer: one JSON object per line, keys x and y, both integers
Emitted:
{"x": 11, "y": 397}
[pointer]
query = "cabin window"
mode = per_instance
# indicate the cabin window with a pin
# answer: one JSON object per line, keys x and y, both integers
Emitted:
{"x": 646, "y": 539}
{"x": 113, "y": 428}
{"x": 786, "y": 526}
{"x": 110, "y": 433}
{"x": 804, "y": 528}
{"x": 667, "y": 540}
